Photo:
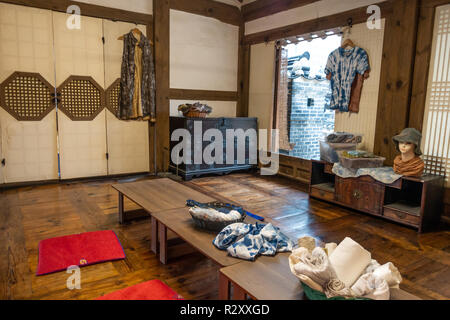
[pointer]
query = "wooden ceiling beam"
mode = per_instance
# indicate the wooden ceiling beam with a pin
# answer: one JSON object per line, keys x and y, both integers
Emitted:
{"x": 223, "y": 12}
{"x": 358, "y": 15}
{"x": 262, "y": 8}
{"x": 89, "y": 10}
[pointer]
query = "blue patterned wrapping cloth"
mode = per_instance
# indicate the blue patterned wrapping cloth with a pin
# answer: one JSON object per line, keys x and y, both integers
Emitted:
{"x": 384, "y": 174}
{"x": 248, "y": 241}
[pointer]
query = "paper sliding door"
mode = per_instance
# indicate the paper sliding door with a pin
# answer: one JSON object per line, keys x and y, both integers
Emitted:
{"x": 81, "y": 110}
{"x": 127, "y": 141}
{"x": 27, "y": 114}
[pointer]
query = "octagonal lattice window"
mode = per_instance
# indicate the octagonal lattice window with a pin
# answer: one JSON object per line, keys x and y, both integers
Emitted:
{"x": 26, "y": 96}
{"x": 82, "y": 99}
{"x": 112, "y": 97}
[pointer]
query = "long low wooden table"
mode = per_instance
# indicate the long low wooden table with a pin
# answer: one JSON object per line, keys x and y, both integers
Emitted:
{"x": 267, "y": 278}
{"x": 157, "y": 195}
{"x": 270, "y": 278}
{"x": 180, "y": 222}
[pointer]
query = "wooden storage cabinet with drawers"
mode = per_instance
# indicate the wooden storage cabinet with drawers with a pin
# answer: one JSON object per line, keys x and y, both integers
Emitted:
{"x": 415, "y": 202}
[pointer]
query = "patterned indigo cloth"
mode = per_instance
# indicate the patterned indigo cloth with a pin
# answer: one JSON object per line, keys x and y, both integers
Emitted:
{"x": 126, "y": 109}
{"x": 247, "y": 241}
{"x": 343, "y": 66}
{"x": 384, "y": 174}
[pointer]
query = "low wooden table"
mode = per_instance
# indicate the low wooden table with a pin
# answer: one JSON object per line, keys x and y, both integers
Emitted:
{"x": 180, "y": 222}
{"x": 157, "y": 195}
{"x": 270, "y": 278}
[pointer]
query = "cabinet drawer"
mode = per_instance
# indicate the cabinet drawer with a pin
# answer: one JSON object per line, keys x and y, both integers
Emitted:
{"x": 322, "y": 194}
{"x": 360, "y": 195}
{"x": 401, "y": 216}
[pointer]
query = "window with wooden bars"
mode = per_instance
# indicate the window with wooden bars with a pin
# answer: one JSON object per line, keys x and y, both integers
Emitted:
{"x": 436, "y": 128}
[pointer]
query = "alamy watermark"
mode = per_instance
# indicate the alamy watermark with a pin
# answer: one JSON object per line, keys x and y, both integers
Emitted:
{"x": 191, "y": 150}
{"x": 73, "y": 22}
{"x": 374, "y": 21}
{"x": 74, "y": 280}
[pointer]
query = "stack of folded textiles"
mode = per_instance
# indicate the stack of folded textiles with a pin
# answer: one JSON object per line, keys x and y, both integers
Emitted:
{"x": 345, "y": 270}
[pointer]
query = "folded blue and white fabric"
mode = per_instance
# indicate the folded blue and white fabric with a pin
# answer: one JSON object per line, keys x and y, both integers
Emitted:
{"x": 247, "y": 241}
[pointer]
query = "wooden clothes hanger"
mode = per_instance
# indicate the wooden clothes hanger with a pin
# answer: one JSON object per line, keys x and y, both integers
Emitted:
{"x": 135, "y": 31}
{"x": 348, "y": 43}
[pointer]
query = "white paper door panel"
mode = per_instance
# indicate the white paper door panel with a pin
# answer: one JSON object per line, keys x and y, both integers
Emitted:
{"x": 26, "y": 44}
{"x": 29, "y": 148}
{"x": 128, "y": 145}
{"x": 80, "y": 52}
{"x": 83, "y": 147}
{"x": 127, "y": 141}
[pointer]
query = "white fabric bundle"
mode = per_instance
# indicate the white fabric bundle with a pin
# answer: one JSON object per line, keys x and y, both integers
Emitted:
{"x": 389, "y": 273}
{"x": 336, "y": 288}
{"x": 372, "y": 266}
{"x": 349, "y": 260}
{"x": 314, "y": 265}
{"x": 369, "y": 286}
{"x": 214, "y": 215}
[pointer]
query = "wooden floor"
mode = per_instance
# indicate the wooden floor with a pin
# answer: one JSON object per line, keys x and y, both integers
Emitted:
{"x": 31, "y": 214}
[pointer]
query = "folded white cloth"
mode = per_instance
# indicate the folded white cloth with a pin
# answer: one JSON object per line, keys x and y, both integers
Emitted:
{"x": 389, "y": 273}
{"x": 369, "y": 286}
{"x": 214, "y": 215}
{"x": 349, "y": 260}
{"x": 336, "y": 288}
{"x": 330, "y": 247}
{"x": 315, "y": 265}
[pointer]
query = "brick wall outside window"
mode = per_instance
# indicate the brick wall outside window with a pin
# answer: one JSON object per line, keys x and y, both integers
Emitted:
{"x": 308, "y": 124}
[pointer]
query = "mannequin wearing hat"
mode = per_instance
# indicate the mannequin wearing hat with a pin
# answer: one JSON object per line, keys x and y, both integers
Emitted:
{"x": 408, "y": 163}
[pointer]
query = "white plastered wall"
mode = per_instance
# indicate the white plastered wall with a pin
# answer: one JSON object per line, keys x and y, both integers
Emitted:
{"x": 262, "y": 67}
{"x": 128, "y": 145}
{"x": 29, "y": 147}
{"x": 364, "y": 121}
{"x": 203, "y": 56}
{"x": 80, "y": 52}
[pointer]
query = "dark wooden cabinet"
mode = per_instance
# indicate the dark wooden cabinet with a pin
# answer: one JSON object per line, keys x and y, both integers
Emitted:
{"x": 416, "y": 202}
{"x": 188, "y": 171}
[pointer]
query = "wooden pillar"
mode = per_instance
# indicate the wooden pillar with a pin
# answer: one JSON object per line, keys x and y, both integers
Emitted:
{"x": 396, "y": 75}
{"x": 421, "y": 67}
{"x": 161, "y": 27}
{"x": 243, "y": 74}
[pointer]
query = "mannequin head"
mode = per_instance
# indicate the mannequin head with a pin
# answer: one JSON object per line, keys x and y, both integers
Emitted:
{"x": 408, "y": 142}
{"x": 407, "y": 149}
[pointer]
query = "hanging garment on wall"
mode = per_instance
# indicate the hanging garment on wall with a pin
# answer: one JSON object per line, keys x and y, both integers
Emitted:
{"x": 347, "y": 70}
{"x": 137, "y": 81}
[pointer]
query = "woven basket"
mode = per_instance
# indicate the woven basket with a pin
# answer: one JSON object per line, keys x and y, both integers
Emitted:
{"x": 215, "y": 225}
{"x": 312, "y": 294}
{"x": 195, "y": 114}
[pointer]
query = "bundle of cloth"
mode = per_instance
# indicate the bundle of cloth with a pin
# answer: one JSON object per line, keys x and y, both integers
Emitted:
{"x": 344, "y": 137}
{"x": 344, "y": 270}
{"x": 215, "y": 211}
{"x": 248, "y": 241}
